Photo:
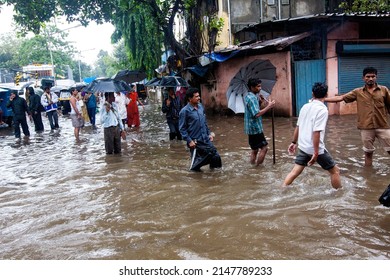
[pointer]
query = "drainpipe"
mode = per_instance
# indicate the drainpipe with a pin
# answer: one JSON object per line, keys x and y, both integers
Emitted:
{"x": 230, "y": 23}
{"x": 261, "y": 11}
{"x": 279, "y": 9}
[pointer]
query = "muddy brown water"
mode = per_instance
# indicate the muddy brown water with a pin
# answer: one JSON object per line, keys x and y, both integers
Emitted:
{"x": 65, "y": 200}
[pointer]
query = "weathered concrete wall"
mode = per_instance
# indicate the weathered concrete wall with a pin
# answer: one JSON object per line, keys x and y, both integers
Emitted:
{"x": 224, "y": 38}
{"x": 306, "y": 7}
{"x": 243, "y": 13}
{"x": 295, "y": 8}
{"x": 348, "y": 31}
{"x": 214, "y": 94}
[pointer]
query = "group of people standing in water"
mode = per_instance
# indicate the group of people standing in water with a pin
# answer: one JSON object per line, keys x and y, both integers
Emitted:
{"x": 187, "y": 121}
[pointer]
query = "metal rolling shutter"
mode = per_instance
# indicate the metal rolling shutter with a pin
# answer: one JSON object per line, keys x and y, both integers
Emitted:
{"x": 351, "y": 70}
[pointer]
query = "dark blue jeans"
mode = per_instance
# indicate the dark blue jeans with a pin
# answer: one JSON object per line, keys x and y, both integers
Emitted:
{"x": 174, "y": 129}
{"x": 53, "y": 119}
{"x": 91, "y": 114}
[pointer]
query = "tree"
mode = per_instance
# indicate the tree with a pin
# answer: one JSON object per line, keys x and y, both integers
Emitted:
{"x": 120, "y": 56}
{"x": 9, "y": 46}
{"x": 104, "y": 66}
{"x": 144, "y": 25}
{"x": 49, "y": 46}
{"x": 16, "y": 52}
{"x": 365, "y": 6}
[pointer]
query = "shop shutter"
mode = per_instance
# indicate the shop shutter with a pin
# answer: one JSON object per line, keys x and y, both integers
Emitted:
{"x": 351, "y": 71}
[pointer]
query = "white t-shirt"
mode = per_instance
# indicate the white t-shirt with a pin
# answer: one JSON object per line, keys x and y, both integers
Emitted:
{"x": 312, "y": 117}
{"x": 121, "y": 101}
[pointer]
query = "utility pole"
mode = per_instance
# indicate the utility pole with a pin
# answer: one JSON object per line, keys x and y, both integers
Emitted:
{"x": 50, "y": 51}
{"x": 80, "y": 60}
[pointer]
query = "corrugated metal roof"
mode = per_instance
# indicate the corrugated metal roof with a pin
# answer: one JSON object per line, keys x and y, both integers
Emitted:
{"x": 229, "y": 52}
{"x": 322, "y": 16}
{"x": 279, "y": 43}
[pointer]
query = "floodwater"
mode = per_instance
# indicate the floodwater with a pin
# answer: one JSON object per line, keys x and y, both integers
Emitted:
{"x": 60, "y": 199}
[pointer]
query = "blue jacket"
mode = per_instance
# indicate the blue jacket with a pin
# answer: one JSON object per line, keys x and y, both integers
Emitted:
{"x": 193, "y": 125}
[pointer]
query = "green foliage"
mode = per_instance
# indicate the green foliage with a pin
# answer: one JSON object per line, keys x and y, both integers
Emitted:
{"x": 16, "y": 52}
{"x": 142, "y": 38}
{"x": 120, "y": 56}
{"x": 9, "y": 46}
{"x": 104, "y": 66}
{"x": 365, "y": 6}
{"x": 216, "y": 23}
{"x": 189, "y": 4}
{"x": 144, "y": 25}
{"x": 30, "y": 14}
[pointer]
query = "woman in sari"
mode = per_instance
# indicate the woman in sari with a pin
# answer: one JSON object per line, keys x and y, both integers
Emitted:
{"x": 132, "y": 109}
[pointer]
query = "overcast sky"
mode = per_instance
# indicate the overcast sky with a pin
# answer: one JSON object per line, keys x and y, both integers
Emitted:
{"x": 96, "y": 37}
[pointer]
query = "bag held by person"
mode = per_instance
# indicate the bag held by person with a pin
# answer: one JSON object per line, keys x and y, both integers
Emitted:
{"x": 385, "y": 197}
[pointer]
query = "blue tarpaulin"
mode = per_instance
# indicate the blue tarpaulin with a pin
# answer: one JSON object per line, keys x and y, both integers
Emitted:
{"x": 221, "y": 57}
{"x": 88, "y": 80}
{"x": 199, "y": 70}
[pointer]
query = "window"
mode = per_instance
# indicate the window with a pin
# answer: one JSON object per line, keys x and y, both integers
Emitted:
{"x": 271, "y": 2}
{"x": 285, "y": 2}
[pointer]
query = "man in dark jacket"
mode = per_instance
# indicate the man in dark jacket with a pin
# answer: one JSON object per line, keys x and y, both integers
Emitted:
{"x": 171, "y": 107}
{"x": 19, "y": 108}
{"x": 36, "y": 108}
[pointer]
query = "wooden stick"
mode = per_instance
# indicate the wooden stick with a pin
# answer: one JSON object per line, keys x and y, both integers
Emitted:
{"x": 273, "y": 137}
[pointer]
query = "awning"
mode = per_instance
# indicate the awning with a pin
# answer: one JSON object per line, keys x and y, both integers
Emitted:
{"x": 198, "y": 70}
{"x": 277, "y": 44}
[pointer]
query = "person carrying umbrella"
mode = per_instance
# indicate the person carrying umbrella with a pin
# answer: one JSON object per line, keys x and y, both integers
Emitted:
{"x": 113, "y": 126}
{"x": 193, "y": 128}
{"x": 253, "y": 124}
{"x": 171, "y": 107}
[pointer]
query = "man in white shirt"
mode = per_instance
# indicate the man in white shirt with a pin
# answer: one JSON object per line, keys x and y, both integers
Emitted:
{"x": 310, "y": 134}
{"x": 49, "y": 101}
{"x": 113, "y": 126}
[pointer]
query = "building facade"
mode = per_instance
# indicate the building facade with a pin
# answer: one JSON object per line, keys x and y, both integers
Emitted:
{"x": 313, "y": 45}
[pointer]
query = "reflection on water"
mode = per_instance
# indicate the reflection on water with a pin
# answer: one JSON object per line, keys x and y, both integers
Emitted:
{"x": 65, "y": 200}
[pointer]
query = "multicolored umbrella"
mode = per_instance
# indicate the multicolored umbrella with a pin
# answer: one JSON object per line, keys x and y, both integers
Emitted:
{"x": 238, "y": 88}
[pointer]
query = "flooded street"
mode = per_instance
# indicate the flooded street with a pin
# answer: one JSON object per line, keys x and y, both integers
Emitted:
{"x": 60, "y": 199}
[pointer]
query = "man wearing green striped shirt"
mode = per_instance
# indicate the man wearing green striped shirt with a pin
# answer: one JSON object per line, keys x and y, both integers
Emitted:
{"x": 253, "y": 125}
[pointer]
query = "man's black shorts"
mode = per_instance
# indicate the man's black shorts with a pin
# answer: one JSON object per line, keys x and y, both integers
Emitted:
{"x": 257, "y": 141}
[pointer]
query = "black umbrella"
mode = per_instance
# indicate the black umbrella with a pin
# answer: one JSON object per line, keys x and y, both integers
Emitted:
{"x": 79, "y": 86}
{"x": 129, "y": 76}
{"x": 107, "y": 85}
{"x": 153, "y": 82}
{"x": 173, "y": 81}
{"x": 238, "y": 88}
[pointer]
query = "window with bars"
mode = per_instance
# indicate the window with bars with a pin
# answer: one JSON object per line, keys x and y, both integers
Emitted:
{"x": 307, "y": 49}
